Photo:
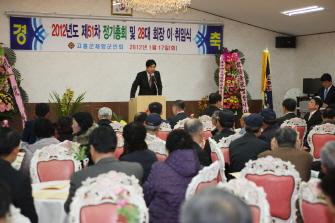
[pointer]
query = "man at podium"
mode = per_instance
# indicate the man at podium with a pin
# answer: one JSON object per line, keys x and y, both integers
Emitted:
{"x": 149, "y": 81}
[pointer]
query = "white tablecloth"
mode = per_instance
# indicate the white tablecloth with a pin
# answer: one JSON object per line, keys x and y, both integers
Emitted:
{"x": 50, "y": 210}
{"x": 17, "y": 163}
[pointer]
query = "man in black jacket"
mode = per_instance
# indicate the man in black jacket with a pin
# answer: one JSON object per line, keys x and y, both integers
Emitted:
{"x": 214, "y": 100}
{"x": 18, "y": 182}
{"x": 149, "y": 81}
{"x": 327, "y": 92}
{"x": 269, "y": 125}
{"x": 196, "y": 130}
{"x": 289, "y": 106}
{"x": 178, "y": 111}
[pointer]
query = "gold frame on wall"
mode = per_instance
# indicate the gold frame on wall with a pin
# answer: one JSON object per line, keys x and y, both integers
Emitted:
{"x": 120, "y": 10}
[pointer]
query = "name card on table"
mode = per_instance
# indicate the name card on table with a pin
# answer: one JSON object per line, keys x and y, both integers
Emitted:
{"x": 55, "y": 186}
{"x": 50, "y": 195}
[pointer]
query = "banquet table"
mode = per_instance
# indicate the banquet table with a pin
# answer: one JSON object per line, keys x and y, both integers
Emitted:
{"x": 49, "y": 203}
{"x": 18, "y": 161}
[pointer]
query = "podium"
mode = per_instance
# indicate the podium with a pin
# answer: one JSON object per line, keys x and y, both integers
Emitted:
{"x": 141, "y": 103}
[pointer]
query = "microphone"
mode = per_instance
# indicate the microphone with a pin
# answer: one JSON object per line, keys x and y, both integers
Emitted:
{"x": 155, "y": 82}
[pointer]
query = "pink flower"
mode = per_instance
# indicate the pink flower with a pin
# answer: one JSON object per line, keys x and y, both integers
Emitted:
{"x": 294, "y": 127}
{"x": 122, "y": 202}
{"x": 119, "y": 191}
{"x": 2, "y": 107}
{"x": 8, "y": 107}
{"x": 192, "y": 115}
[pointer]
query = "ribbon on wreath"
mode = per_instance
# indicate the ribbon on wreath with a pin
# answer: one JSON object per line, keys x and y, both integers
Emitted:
{"x": 16, "y": 90}
{"x": 222, "y": 77}
{"x": 243, "y": 86}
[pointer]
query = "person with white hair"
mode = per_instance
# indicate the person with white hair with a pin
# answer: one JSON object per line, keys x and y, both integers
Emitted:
{"x": 105, "y": 115}
{"x": 327, "y": 158}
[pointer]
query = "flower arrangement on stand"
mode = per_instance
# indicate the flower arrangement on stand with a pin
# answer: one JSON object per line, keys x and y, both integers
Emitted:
{"x": 203, "y": 104}
{"x": 67, "y": 105}
{"x": 232, "y": 81}
{"x": 12, "y": 96}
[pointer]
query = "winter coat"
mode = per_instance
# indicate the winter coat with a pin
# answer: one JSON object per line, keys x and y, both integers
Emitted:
{"x": 166, "y": 186}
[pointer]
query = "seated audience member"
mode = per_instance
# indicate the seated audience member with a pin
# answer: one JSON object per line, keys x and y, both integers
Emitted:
{"x": 269, "y": 125}
{"x": 285, "y": 146}
{"x": 166, "y": 186}
{"x": 105, "y": 116}
{"x": 196, "y": 130}
{"x": 8, "y": 213}
{"x": 327, "y": 158}
{"x": 178, "y": 112}
{"x": 141, "y": 117}
{"x": 328, "y": 116}
{"x": 41, "y": 111}
{"x": 82, "y": 126}
{"x": 156, "y": 107}
{"x": 327, "y": 186}
{"x": 313, "y": 117}
{"x": 136, "y": 149}
{"x": 242, "y": 123}
{"x": 44, "y": 132}
{"x": 215, "y": 121}
{"x": 65, "y": 128}
{"x": 248, "y": 146}
{"x": 18, "y": 182}
{"x": 214, "y": 205}
{"x": 152, "y": 124}
{"x": 289, "y": 106}
{"x": 102, "y": 143}
{"x": 226, "y": 122}
{"x": 215, "y": 104}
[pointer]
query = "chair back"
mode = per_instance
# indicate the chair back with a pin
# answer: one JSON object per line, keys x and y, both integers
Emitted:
{"x": 207, "y": 122}
{"x": 313, "y": 204}
{"x": 55, "y": 162}
{"x": 299, "y": 124}
{"x": 318, "y": 137}
{"x": 253, "y": 195}
{"x": 118, "y": 127}
{"x": 180, "y": 124}
{"x": 102, "y": 198}
{"x": 224, "y": 145}
{"x": 157, "y": 145}
{"x": 164, "y": 131}
{"x": 206, "y": 177}
{"x": 120, "y": 144}
{"x": 280, "y": 181}
{"x": 216, "y": 155}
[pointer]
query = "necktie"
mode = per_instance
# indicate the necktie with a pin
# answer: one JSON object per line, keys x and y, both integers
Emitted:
{"x": 325, "y": 94}
{"x": 310, "y": 115}
{"x": 150, "y": 81}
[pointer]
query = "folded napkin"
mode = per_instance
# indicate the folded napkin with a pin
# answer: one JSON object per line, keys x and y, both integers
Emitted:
{"x": 50, "y": 195}
{"x": 236, "y": 174}
{"x": 55, "y": 186}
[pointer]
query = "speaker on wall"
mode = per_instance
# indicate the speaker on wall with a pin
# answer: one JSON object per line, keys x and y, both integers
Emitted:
{"x": 285, "y": 42}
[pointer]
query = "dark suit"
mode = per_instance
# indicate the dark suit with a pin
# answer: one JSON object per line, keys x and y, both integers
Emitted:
{"x": 202, "y": 155}
{"x": 300, "y": 159}
{"x": 316, "y": 119}
{"x": 244, "y": 149}
{"x": 224, "y": 133}
{"x": 143, "y": 81}
{"x": 330, "y": 98}
{"x": 209, "y": 111}
{"x": 269, "y": 133}
{"x": 21, "y": 190}
{"x": 102, "y": 166}
{"x": 27, "y": 135}
{"x": 174, "y": 119}
{"x": 287, "y": 116}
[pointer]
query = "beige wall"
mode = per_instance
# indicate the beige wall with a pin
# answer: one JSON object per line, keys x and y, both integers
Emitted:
{"x": 108, "y": 76}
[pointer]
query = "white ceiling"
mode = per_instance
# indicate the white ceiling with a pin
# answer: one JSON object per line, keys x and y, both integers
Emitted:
{"x": 266, "y": 14}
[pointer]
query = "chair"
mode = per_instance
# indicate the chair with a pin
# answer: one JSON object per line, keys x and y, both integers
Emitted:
{"x": 157, "y": 145}
{"x": 318, "y": 137}
{"x": 313, "y": 204}
{"x": 100, "y": 199}
{"x": 119, "y": 149}
{"x": 280, "y": 181}
{"x": 208, "y": 176}
{"x": 164, "y": 131}
{"x": 208, "y": 126}
{"x": 300, "y": 125}
{"x": 117, "y": 126}
{"x": 216, "y": 155}
{"x": 55, "y": 162}
{"x": 224, "y": 145}
{"x": 253, "y": 195}
{"x": 180, "y": 124}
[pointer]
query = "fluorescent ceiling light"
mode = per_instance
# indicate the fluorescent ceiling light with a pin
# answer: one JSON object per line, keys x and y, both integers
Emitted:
{"x": 303, "y": 10}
